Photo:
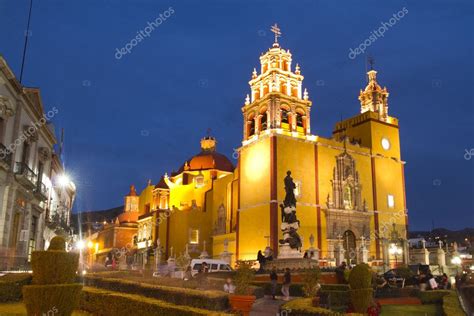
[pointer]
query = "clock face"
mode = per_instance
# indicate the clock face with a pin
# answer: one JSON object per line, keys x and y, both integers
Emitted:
{"x": 385, "y": 143}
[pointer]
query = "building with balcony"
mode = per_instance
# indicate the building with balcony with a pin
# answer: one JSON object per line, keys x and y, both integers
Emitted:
{"x": 29, "y": 170}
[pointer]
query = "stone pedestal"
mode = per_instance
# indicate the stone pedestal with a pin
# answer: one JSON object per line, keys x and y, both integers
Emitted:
{"x": 363, "y": 255}
{"x": 339, "y": 254}
{"x": 286, "y": 252}
{"x": 171, "y": 265}
{"x": 313, "y": 253}
{"x": 441, "y": 257}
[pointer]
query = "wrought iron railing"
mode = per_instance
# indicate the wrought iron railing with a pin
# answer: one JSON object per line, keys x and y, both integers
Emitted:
{"x": 22, "y": 168}
{"x": 41, "y": 188}
{"x": 5, "y": 154}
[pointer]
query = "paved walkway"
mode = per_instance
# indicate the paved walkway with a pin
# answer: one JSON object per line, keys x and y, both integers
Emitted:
{"x": 266, "y": 307}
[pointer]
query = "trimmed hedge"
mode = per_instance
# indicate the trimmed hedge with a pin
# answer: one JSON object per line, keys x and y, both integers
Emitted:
{"x": 54, "y": 266}
{"x": 212, "y": 300}
{"x": 432, "y": 297}
{"x": 451, "y": 305}
{"x": 334, "y": 287}
{"x": 361, "y": 299}
{"x": 304, "y": 307}
{"x": 59, "y": 299}
{"x": 335, "y": 299}
{"x": 11, "y": 285}
{"x": 104, "y": 303}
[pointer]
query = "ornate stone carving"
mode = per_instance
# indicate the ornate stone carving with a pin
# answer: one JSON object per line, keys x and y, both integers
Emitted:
{"x": 221, "y": 223}
{"x": 345, "y": 185}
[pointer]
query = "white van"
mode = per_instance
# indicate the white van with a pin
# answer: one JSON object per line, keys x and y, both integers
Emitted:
{"x": 214, "y": 266}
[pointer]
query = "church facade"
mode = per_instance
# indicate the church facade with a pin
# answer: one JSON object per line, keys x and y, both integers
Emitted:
{"x": 350, "y": 188}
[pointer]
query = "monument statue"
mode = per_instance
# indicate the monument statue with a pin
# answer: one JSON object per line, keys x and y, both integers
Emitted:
{"x": 290, "y": 223}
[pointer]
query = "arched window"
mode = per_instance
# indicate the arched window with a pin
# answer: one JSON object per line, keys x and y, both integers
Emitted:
{"x": 285, "y": 116}
{"x": 250, "y": 126}
{"x": 263, "y": 121}
{"x": 299, "y": 120}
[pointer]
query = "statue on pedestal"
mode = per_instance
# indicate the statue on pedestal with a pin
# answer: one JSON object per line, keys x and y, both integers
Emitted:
{"x": 290, "y": 223}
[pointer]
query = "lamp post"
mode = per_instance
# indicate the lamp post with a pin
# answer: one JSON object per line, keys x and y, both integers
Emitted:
{"x": 395, "y": 250}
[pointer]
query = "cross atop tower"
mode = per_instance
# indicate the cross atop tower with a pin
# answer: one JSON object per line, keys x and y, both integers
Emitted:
{"x": 276, "y": 30}
{"x": 371, "y": 62}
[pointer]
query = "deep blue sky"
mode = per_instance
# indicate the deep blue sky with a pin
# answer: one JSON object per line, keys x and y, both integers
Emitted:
{"x": 132, "y": 119}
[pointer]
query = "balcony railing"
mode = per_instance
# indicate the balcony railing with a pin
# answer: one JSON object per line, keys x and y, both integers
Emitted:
{"x": 5, "y": 156}
{"x": 40, "y": 191}
{"x": 25, "y": 175}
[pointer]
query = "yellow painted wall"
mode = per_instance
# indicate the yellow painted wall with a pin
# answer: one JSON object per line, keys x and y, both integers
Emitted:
{"x": 254, "y": 218}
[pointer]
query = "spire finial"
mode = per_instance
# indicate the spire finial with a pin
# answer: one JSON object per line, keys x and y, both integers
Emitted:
{"x": 276, "y": 30}
{"x": 371, "y": 62}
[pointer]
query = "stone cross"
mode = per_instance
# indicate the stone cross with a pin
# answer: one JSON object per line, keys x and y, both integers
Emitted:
{"x": 423, "y": 242}
{"x": 171, "y": 252}
{"x": 440, "y": 243}
{"x": 362, "y": 241}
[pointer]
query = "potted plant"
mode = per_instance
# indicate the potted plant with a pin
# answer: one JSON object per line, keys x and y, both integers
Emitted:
{"x": 242, "y": 300}
{"x": 311, "y": 284}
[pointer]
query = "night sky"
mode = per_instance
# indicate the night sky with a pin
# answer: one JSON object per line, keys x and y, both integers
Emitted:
{"x": 132, "y": 119}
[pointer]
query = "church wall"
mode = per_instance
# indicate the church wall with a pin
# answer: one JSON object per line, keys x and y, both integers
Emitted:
{"x": 254, "y": 219}
{"x": 146, "y": 197}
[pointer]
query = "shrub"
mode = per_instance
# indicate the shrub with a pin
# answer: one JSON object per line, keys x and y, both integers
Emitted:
{"x": 361, "y": 299}
{"x": 432, "y": 297}
{"x": 53, "y": 289}
{"x": 243, "y": 278}
{"x": 451, "y": 305}
{"x": 61, "y": 299}
{"x": 304, "y": 307}
{"x": 310, "y": 280}
{"x": 360, "y": 277}
{"x": 57, "y": 243}
{"x": 54, "y": 267}
{"x": 103, "y": 303}
{"x": 212, "y": 300}
{"x": 361, "y": 293}
{"x": 11, "y": 284}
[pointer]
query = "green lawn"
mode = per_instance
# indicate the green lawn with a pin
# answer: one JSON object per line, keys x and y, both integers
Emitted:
{"x": 421, "y": 310}
{"x": 10, "y": 309}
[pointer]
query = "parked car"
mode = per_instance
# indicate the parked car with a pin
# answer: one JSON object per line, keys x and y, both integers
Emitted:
{"x": 400, "y": 277}
{"x": 214, "y": 266}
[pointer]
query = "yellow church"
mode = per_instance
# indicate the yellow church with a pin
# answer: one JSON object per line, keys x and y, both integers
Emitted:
{"x": 349, "y": 187}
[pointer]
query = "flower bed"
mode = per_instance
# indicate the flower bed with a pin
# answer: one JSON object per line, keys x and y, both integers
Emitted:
{"x": 212, "y": 300}
{"x": 304, "y": 307}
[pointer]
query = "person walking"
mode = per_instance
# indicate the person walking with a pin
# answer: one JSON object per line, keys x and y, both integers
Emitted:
{"x": 274, "y": 281}
{"x": 285, "y": 289}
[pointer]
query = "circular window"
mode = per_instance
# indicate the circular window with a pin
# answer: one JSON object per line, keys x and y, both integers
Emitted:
{"x": 385, "y": 143}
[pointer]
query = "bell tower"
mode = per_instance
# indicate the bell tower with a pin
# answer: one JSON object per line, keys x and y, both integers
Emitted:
{"x": 277, "y": 101}
{"x": 373, "y": 98}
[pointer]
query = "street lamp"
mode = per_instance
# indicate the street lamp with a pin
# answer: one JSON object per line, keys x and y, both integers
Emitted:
{"x": 63, "y": 180}
{"x": 395, "y": 250}
{"x": 80, "y": 245}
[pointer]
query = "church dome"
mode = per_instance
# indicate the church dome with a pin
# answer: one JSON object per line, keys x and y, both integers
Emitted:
{"x": 208, "y": 158}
